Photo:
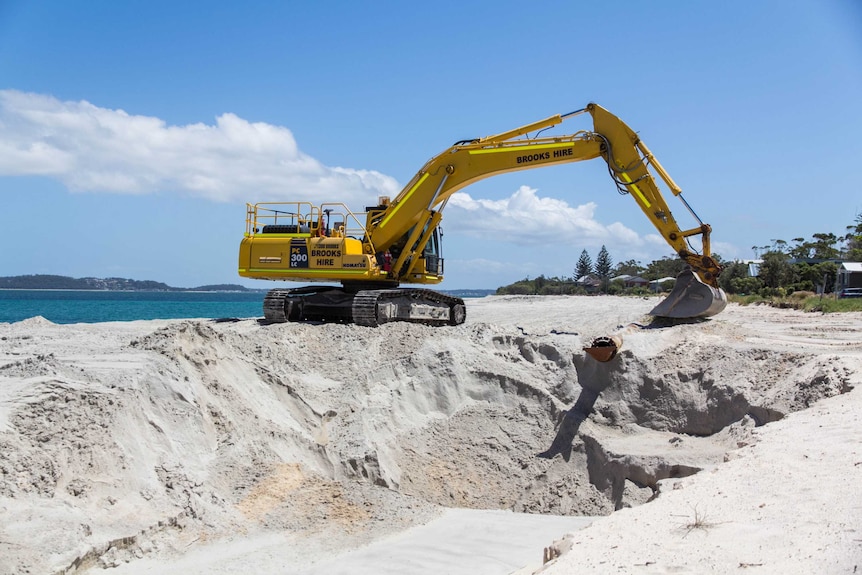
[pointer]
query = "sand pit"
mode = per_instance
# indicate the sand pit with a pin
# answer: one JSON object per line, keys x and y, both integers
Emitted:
{"x": 220, "y": 446}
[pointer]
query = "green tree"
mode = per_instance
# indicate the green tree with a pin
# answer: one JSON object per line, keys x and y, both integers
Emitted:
{"x": 824, "y": 246}
{"x": 731, "y": 272}
{"x": 810, "y": 277}
{"x": 540, "y": 283}
{"x": 853, "y": 241}
{"x": 746, "y": 285}
{"x": 584, "y": 265}
{"x": 758, "y": 249}
{"x": 802, "y": 249}
{"x": 664, "y": 268}
{"x": 775, "y": 270}
{"x": 779, "y": 246}
{"x": 604, "y": 265}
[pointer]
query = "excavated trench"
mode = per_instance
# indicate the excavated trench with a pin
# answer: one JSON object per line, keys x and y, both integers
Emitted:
{"x": 531, "y": 424}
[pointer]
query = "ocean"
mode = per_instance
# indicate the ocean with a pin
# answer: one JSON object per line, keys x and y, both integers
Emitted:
{"x": 70, "y": 306}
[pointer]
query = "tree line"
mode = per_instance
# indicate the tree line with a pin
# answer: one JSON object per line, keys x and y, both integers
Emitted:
{"x": 785, "y": 267}
{"x": 601, "y": 273}
{"x": 803, "y": 265}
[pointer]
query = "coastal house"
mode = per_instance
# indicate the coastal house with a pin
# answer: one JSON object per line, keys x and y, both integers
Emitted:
{"x": 589, "y": 282}
{"x": 656, "y": 285}
{"x": 631, "y": 281}
{"x": 849, "y": 276}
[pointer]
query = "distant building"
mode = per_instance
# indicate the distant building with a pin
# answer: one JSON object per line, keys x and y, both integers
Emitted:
{"x": 589, "y": 282}
{"x": 753, "y": 267}
{"x": 655, "y": 285}
{"x": 631, "y": 281}
{"x": 849, "y": 275}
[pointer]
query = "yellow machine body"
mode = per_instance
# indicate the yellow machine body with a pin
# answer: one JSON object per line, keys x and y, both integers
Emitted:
{"x": 397, "y": 241}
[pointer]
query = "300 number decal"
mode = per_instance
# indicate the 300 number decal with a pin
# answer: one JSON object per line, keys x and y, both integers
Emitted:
{"x": 298, "y": 254}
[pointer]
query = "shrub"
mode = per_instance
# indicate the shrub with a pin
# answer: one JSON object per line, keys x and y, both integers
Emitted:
{"x": 802, "y": 295}
{"x": 745, "y": 285}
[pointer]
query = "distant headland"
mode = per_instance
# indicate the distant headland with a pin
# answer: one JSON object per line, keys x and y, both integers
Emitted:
{"x": 54, "y": 282}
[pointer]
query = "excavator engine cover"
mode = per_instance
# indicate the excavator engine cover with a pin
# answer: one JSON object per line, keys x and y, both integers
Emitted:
{"x": 691, "y": 298}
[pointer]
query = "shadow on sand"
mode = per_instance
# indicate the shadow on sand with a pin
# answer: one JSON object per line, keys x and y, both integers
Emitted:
{"x": 571, "y": 423}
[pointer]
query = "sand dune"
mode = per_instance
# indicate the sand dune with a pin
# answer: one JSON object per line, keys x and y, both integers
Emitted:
{"x": 221, "y": 446}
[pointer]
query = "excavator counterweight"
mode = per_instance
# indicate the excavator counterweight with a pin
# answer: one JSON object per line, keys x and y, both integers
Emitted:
{"x": 396, "y": 242}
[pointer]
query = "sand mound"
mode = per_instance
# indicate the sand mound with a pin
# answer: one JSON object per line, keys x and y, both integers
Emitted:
{"x": 144, "y": 439}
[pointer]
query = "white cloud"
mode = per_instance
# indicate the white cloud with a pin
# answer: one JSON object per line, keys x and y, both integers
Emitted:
{"x": 526, "y": 217}
{"x": 89, "y": 148}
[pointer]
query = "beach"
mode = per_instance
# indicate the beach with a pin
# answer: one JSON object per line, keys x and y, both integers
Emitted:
{"x": 498, "y": 446}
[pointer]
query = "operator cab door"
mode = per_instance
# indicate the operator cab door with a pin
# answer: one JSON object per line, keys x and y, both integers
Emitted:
{"x": 432, "y": 254}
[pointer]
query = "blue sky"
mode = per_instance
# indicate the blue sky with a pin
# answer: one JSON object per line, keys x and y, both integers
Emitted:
{"x": 133, "y": 133}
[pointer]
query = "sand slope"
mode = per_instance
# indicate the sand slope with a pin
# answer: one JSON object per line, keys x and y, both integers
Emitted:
{"x": 146, "y": 446}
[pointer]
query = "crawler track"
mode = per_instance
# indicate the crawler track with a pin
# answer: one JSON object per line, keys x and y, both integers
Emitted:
{"x": 364, "y": 307}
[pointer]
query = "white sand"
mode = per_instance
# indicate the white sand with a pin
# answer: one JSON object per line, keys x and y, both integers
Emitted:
{"x": 459, "y": 542}
{"x": 207, "y": 447}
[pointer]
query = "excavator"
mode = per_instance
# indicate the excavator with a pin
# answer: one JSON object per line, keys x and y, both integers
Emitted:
{"x": 371, "y": 253}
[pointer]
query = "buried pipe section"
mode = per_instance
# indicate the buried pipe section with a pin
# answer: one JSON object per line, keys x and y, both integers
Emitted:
{"x": 604, "y": 348}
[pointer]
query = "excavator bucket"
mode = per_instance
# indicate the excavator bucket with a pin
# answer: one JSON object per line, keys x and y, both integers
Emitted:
{"x": 691, "y": 298}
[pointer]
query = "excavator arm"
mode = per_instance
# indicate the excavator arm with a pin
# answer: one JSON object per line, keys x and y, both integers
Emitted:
{"x": 410, "y": 216}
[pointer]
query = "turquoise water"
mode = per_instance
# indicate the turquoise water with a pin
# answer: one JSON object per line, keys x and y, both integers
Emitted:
{"x": 69, "y": 306}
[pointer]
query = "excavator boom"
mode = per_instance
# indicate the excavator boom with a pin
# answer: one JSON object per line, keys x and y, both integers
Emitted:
{"x": 397, "y": 241}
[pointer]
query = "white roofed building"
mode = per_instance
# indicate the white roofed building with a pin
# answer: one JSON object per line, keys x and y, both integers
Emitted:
{"x": 849, "y": 275}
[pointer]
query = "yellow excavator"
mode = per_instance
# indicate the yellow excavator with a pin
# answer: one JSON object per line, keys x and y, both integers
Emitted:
{"x": 396, "y": 242}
